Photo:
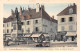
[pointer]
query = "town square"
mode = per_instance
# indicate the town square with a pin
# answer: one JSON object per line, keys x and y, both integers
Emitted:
{"x": 34, "y": 27}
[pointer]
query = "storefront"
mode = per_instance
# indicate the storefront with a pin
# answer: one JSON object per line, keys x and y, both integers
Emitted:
{"x": 37, "y": 37}
{"x": 27, "y": 39}
{"x": 71, "y": 36}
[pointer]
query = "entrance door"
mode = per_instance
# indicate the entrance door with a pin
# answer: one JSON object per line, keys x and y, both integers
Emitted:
{"x": 72, "y": 38}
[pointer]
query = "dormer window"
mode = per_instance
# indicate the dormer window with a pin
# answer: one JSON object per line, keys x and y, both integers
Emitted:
{"x": 70, "y": 11}
{"x": 24, "y": 17}
{"x": 36, "y": 21}
{"x": 28, "y": 22}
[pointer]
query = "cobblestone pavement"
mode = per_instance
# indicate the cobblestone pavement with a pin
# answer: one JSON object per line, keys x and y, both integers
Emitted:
{"x": 52, "y": 44}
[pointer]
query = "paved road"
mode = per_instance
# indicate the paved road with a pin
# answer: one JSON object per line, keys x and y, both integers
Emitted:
{"x": 64, "y": 44}
{"x": 52, "y": 44}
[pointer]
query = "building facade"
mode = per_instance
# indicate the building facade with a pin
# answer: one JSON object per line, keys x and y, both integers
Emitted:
{"x": 32, "y": 21}
{"x": 67, "y": 20}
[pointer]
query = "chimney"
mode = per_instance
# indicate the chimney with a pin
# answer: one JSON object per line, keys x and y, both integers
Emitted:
{"x": 71, "y": 4}
{"x": 74, "y": 4}
{"x": 42, "y": 6}
{"x": 12, "y": 12}
{"x": 53, "y": 17}
{"x": 37, "y": 7}
{"x": 16, "y": 10}
{"x": 16, "y": 13}
{"x": 23, "y": 8}
{"x": 29, "y": 9}
{"x": 20, "y": 11}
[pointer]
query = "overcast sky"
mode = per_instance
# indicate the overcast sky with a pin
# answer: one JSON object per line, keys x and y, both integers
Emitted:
{"x": 51, "y": 9}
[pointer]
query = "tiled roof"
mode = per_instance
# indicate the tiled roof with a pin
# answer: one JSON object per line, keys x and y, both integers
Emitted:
{"x": 10, "y": 18}
{"x": 31, "y": 14}
{"x": 66, "y": 10}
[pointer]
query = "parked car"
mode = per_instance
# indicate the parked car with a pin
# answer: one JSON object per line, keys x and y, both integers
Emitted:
{"x": 43, "y": 44}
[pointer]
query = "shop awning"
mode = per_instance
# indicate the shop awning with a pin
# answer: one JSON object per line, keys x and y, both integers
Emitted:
{"x": 8, "y": 35}
{"x": 46, "y": 35}
{"x": 71, "y": 34}
{"x": 36, "y": 35}
{"x": 27, "y": 35}
{"x": 17, "y": 32}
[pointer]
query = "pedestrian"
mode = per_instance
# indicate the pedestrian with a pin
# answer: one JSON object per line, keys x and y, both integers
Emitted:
{"x": 64, "y": 38}
{"x": 7, "y": 42}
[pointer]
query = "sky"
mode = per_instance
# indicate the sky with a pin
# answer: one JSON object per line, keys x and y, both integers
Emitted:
{"x": 52, "y": 9}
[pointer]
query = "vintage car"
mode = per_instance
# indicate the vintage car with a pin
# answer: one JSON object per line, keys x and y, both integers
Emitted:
{"x": 42, "y": 40}
{"x": 43, "y": 44}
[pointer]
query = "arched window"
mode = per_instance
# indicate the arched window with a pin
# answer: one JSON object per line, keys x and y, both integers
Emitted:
{"x": 70, "y": 11}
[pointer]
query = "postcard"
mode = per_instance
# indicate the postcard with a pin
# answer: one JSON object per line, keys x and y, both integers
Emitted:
{"x": 39, "y": 25}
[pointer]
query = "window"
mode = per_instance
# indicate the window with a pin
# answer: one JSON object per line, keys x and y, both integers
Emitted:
{"x": 22, "y": 23}
{"x": 36, "y": 21}
{"x": 51, "y": 30}
{"x": 56, "y": 27}
{"x": 28, "y": 30}
{"x": 70, "y": 11}
{"x": 70, "y": 18}
{"x": 3, "y": 25}
{"x": 11, "y": 24}
{"x": 11, "y": 30}
{"x": 14, "y": 27}
{"x": 19, "y": 27}
{"x": 36, "y": 29}
{"x": 7, "y": 24}
{"x": 70, "y": 28}
{"x": 22, "y": 30}
{"x": 45, "y": 30}
{"x": 3, "y": 31}
{"x": 62, "y": 19}
{"x": 62, "y": 28}
{"x": 7, "y": 31}
{"x": 28, "y": 22}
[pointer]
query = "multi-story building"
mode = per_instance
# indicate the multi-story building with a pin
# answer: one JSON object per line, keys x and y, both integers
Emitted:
{"x": 33, "y": 21}
{"x": 67, "y": 21}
